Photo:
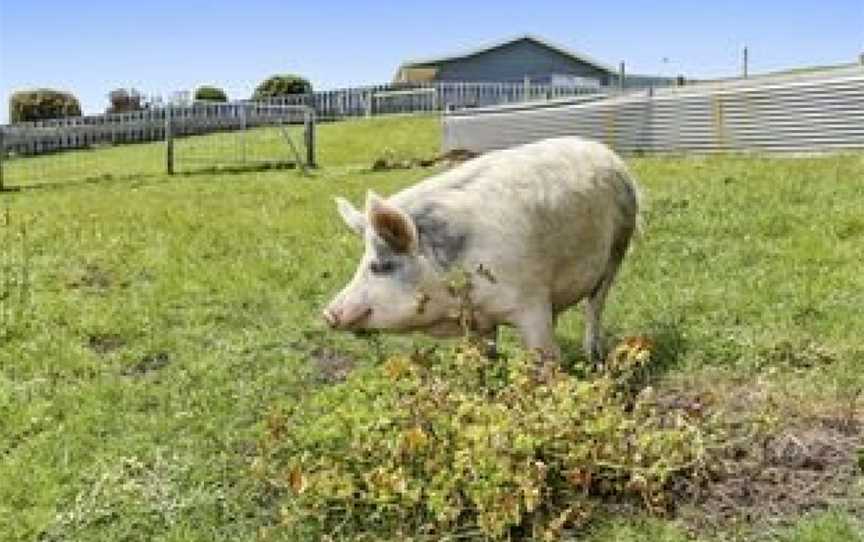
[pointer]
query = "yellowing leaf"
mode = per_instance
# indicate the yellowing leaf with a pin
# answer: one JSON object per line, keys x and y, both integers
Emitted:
{"x": 296, "y": 480}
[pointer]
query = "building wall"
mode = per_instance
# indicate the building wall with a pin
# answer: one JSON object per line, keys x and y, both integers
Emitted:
{"x": 512, "y": 62}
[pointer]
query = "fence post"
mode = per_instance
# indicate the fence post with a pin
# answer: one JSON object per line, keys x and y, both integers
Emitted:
{"x": 169, "y": 141}
{"x": 243, "y": 133}
{"x": 309, "y": 134}
{"x": 2, "y": 155}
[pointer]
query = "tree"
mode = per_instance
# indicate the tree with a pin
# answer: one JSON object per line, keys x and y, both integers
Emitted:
{"x": 125, "y": 101}
{"x": 206, "y": 93}
{"x": 42, "y": 104}
{"x": 279, "y": 86}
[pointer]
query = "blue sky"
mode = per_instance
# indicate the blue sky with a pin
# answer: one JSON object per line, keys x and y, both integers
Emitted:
{"x": 156, "y": 46}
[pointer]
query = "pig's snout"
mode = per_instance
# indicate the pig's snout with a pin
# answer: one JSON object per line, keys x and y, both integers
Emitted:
{"x": 330, "y": 317}
{"x": 346, "y": 316}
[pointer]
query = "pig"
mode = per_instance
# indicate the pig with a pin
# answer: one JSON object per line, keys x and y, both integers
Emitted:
{"x": 534, "y": 228}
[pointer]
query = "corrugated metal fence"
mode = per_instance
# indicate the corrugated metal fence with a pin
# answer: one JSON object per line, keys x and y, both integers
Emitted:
{"x": 805, "y": 112}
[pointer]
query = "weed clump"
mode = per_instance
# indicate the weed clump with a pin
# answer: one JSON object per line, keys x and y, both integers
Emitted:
{"x": 453, "y": 443}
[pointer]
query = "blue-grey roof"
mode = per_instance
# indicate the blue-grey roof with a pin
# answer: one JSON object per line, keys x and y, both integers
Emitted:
{"x": 488, "y": 47}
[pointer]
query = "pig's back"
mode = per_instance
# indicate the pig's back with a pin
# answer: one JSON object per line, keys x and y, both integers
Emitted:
{"x": 538, "y": 188}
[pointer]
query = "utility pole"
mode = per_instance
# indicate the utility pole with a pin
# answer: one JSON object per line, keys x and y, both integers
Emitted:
{"x": 621, "y": 75}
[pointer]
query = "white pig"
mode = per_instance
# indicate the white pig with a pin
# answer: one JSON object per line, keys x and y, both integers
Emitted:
{"x": 537, "y": 228}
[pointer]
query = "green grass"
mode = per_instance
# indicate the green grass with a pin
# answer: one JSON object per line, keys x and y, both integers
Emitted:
{"x": 153, "y": 322}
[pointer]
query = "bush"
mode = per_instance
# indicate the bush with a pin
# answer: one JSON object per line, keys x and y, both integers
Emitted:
{"x": 456, "y": 444}
{"x": 207, "y": 93}
{"x": 280, "y": 86}
{"x": 125, "y": 101}
{"x": 42, "y": 104}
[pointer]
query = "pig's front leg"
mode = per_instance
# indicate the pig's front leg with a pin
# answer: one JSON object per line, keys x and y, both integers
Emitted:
{"x": 536, "y": 325}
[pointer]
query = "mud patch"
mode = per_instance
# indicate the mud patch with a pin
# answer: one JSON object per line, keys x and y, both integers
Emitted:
{"x": 331, "y": 366}
{"x": 450, "y": 158}
{"x": 149, "y": 363}
{"x": 93, "y": 278}
{"x": 803, "y": 468}
{"x": 105, "y": 343}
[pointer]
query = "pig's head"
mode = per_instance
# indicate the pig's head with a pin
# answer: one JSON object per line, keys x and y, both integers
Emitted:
{"x": 397, "y": 286}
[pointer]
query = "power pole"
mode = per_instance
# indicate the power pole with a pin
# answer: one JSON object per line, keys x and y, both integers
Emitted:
{"x": 621, "y": 75}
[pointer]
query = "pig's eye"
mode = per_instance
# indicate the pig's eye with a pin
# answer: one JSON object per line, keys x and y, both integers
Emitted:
{"x": 383, "y": 267}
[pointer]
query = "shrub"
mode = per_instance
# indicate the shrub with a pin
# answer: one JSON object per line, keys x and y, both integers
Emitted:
{"x": 207, "y": 93}
{"x": 456, "y": 444}
{"x": 42, "y": 104}
{"x": 125, "y": 101}
{"x": 282, "y": 85}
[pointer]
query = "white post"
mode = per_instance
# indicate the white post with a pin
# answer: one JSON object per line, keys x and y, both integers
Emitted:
{"x": 526, "y": 88}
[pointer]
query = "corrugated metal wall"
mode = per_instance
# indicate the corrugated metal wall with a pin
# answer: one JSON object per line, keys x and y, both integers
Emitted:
{"x": 805, "y": 112}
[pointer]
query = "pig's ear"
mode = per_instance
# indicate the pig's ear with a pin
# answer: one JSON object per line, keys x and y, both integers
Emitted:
{"x": 391, "y": 224}
{"x": 352, "y": 217}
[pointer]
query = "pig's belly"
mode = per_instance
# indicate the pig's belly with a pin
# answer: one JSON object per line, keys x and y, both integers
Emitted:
{"x": 574, "y": 284}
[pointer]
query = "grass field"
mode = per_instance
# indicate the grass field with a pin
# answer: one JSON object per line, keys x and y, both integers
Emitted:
{"x": 150, "y": 323}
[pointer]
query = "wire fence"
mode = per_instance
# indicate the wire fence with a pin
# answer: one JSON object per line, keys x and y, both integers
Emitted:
{"x": 800, "y": 112}
{"x": 14, "y": 274}
{"x": 188, "y": 139}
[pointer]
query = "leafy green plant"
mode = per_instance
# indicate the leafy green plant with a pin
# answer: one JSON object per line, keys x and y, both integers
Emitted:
{"x": 437, "y": 444}
{"x": 125, "y": 100}
{"x": 42, "y": 104}
{"x": 278, "y": 86}
{"x": 206, "y": 93}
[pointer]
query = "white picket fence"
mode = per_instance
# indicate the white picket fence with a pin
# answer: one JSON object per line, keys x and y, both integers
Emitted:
{"x": 429, "y": 97}
{"x": 31, "y": 138}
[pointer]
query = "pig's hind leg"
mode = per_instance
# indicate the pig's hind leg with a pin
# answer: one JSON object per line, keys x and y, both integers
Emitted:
{"x": 596, "y": 301}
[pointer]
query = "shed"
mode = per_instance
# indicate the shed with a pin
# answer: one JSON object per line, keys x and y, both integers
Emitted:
{"x": 511, "y": 60}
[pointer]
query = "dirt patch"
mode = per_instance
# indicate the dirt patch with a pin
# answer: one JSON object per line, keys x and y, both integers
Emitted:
{"x": 810, "y": 466}
{"x": 104, "y": 343}
{"x": 149, "y": 363}
{"x": 91, "y": 277}
{"x": 332, "y": 366}
{"x": 449, "y": 159}
{"x": 807, "y": 459}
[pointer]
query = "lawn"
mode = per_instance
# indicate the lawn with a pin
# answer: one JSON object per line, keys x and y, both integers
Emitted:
{"x": 151, "y": 323}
